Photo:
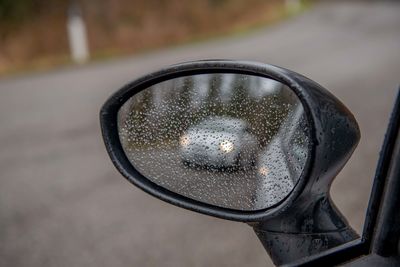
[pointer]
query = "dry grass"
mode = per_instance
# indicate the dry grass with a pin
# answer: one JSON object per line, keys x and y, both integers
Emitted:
{"x": 126, "y": 27}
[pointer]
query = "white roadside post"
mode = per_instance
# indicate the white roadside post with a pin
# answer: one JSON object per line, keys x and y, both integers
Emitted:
{"x": 77, "y": 36}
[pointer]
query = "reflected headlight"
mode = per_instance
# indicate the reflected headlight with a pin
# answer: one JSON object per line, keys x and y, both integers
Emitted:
{"x": 184, "y": 140}
{"x": 263, "y": 171}
{"x": 226, "y": 146}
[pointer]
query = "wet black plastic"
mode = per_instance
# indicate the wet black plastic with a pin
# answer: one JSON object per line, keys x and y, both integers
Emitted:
{"x": 381, "y": 230}
{"x": 312, "y": 223}
{"x": 304, "y": 223}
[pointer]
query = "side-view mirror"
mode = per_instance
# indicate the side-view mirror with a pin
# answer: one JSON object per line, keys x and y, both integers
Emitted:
{"x": 241, "y": 141}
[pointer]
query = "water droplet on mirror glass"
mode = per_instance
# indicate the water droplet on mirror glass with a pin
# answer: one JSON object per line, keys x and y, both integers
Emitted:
{"x": 230, "y": 140}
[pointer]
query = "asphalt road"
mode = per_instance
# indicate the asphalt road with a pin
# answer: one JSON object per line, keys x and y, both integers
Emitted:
{"x": 62, "y": 203}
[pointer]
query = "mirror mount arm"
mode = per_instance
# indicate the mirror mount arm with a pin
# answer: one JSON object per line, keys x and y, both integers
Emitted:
{"x": 304, "y": 230}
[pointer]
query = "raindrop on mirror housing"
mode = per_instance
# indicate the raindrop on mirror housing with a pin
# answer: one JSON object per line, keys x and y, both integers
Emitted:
{"x": 242, "y": 141}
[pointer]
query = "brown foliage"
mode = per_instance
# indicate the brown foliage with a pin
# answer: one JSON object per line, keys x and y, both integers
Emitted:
{"x": 125, "y": 26}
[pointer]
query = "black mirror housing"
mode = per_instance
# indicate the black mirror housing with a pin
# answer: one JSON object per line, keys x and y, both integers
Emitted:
{"x": 306, "y": 221}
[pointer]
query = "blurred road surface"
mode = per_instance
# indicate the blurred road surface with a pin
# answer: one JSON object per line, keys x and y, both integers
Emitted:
{"x": 62, "y": 203}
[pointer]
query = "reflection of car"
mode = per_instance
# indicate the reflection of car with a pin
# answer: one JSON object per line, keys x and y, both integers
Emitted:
{"x": 280, "y": 165}
{"x": 219, "y": 142}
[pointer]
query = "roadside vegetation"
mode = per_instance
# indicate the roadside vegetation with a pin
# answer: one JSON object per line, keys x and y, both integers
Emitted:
{"x": 33, "y": 33}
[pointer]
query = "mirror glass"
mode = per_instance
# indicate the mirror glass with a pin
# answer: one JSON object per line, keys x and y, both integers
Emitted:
{"x": 230, "y": 140}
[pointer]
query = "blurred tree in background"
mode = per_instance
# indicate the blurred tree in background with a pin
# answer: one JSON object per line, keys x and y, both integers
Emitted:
{"x": 14, "y": 10}
{"x": 33, "y": 32}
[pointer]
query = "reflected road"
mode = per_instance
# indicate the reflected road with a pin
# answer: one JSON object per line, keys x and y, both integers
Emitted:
{"x": 228, "y": 187}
